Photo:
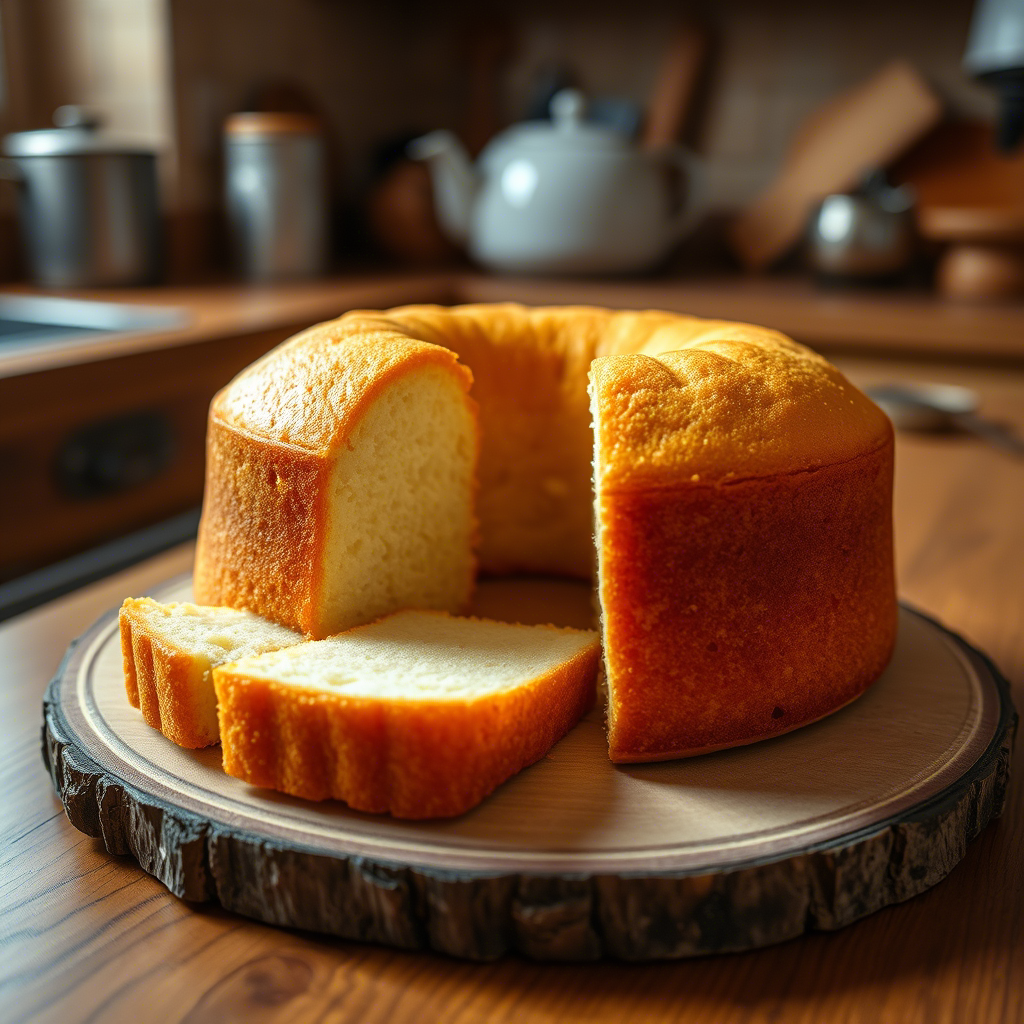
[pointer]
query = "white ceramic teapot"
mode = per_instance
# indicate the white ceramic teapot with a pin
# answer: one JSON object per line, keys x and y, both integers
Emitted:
{"x": 564, "y": 197}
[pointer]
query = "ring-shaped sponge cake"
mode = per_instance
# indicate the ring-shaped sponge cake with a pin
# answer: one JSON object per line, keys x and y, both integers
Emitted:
{"x": 729, "y": 490}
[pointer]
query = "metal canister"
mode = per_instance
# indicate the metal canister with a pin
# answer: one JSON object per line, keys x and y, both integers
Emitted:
{"x": 88, "y": 204}
{"x": 276, "y": 193}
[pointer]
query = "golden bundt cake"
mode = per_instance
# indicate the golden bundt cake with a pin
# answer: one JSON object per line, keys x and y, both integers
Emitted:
{"x": 743, "y": 501}
{"x": 419, "y": 714}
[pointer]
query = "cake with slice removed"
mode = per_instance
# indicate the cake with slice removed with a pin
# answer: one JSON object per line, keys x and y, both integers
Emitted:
{"x": 169, "y": 651}
{"x": 743, "y": 498}
{"x": 419, "y": 714}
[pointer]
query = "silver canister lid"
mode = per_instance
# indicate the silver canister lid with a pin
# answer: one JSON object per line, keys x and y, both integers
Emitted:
{"x": 259, "y": 126}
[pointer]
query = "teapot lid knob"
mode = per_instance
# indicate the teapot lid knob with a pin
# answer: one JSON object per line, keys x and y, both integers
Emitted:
{"x": 567, "y": 108}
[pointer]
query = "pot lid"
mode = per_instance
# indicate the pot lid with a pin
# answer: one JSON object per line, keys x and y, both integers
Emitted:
{"x": 567, "y": 131}
{"x": 76, "y": 132}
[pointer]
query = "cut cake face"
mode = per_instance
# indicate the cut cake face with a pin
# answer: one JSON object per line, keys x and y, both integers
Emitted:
{"x": 419, "y": 714}
{"x": 400, "y": 505}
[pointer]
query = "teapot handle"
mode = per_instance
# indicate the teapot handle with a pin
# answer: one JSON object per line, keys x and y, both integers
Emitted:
{"x": 692, "y": 171}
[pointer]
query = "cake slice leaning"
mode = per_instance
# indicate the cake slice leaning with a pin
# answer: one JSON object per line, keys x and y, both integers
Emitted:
{"x": 419, "y": 714}
{"x": 169, "y": 651}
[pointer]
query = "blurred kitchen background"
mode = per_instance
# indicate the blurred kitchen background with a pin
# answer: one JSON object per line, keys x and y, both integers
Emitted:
{"x": 190, "y": 181}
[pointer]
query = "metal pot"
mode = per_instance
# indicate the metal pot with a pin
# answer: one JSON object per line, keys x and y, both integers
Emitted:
{"x": 88, "y": 204}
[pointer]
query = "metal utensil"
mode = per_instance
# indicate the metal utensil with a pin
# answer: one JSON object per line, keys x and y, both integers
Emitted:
{"x": 864, "y": 235}
{"x": 942, "y": 407}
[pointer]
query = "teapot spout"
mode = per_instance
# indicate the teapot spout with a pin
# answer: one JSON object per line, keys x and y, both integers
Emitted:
{"x": 454, "y": 178}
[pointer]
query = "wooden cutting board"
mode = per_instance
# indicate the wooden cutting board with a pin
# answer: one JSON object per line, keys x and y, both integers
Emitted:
{"x": 574, "y": 858}
{"x": 861, "y": 129}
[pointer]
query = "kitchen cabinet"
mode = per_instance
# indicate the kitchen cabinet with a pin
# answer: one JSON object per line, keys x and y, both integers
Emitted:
{"x": 93, "y": 451}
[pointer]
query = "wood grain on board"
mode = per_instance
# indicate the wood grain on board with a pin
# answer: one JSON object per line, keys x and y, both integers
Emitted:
{"x": 574, "y": 858}
{"x": 85, "y": 935}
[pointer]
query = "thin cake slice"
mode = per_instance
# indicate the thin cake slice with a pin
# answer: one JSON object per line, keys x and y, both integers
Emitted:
{"x": 420, "y": 714}
{"x": 169, "y": 652}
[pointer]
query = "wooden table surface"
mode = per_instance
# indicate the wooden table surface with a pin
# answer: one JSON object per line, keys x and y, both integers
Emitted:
{"x": 88, "y": 936}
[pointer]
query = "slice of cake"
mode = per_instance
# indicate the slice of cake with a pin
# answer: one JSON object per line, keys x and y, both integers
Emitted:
{"x": 419, "y": 714}
{"x": 169, "y": 652}
{"x": 340, "y": 483}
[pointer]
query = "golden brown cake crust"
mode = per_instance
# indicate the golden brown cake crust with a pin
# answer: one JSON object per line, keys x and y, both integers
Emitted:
{"x": 268, "y": 461}
{"x": 311, "y": 392}
{"x": 410, "y": 758}
{"x": 733, "y": 613}
{"x": 159, "y": 680}
{"x": 728, "y": 409}
{"x": 263, "y": 526}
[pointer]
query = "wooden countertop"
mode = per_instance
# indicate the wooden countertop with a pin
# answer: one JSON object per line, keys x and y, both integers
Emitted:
{"x": 227, "y": 310}
{"x": 874, "y": 321}
{"x": 88, "y": 936}
{"x": 879, "y": 321}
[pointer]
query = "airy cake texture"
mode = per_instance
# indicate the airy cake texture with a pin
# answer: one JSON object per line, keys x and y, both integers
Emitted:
{"x": 419, "y": 714}
{"x": 169, "y": 652}
{"x": 340, "y": 479}
{"x": 400, "y": 533}
{"x": 535, "y": 497}
{"x": 743, "y": 501}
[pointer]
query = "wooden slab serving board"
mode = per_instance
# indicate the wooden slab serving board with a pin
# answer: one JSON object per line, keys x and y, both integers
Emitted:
{"x": 574, "y": 858}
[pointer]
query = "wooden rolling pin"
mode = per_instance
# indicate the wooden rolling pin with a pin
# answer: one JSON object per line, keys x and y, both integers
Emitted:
{"x": 674, "y": 88}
